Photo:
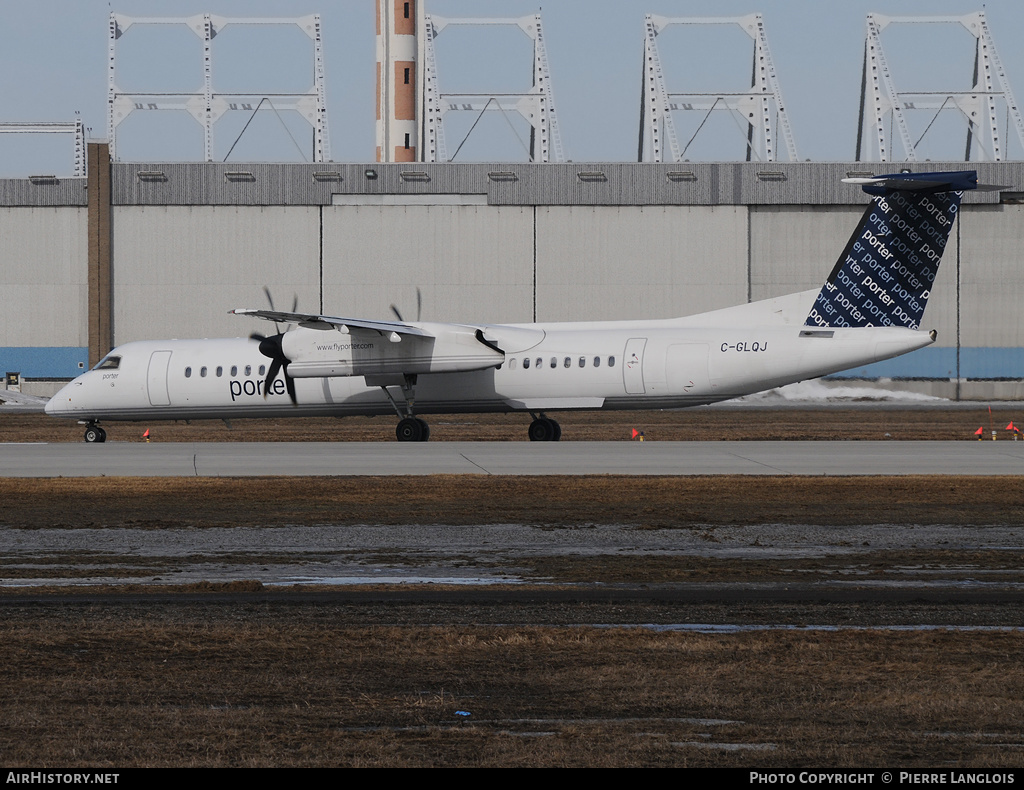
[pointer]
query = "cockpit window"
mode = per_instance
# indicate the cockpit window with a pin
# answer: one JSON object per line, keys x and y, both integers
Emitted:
{"x": 109, "y": 363}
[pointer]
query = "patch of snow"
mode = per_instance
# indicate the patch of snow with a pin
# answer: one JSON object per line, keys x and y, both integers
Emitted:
{"x": 817, "y": 391}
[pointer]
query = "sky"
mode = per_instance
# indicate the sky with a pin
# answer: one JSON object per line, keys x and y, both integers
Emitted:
{"x": 54, "y": 64}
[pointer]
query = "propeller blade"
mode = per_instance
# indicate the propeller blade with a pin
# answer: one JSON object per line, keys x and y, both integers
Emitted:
{"x": 275, "y": 366}
{"x": 419, "y": 307}
{"x": 289, "y": 384}
{"x": 270, "y": 301}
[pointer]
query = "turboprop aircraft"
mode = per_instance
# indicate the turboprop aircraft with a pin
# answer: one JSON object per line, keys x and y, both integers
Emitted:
{"x": 869, "y": 309}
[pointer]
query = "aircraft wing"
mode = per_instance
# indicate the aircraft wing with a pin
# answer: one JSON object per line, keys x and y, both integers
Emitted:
{"x": 409, "y": 349}
{"x": 318, "y": 321}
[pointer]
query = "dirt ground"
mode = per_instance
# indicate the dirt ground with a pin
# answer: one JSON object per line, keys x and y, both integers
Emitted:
{"x": 697, "y": 424}
{"x": 592, "y": 661}
{"x": 248, "y": 685}
{"x": 643, "y": 502}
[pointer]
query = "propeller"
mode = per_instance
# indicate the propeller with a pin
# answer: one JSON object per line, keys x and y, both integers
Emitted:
{"x": 270, "y": 301}
{"x": 272, "y": 347}
{"x": 419, "y": 307}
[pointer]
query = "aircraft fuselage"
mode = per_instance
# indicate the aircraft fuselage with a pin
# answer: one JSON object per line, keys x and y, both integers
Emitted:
{"x": 614, "y": 365}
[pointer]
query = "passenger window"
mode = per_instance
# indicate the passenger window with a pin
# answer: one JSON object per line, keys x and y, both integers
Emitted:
{"x": 108, "y": 363}
{"x": 263, "y": 369}
{"x": 539, "y": 363}
{"x": 526, "y": 363}
{"x": 554, "y": 362}
{"x": 597, "y": 362}
{"x": 583, "y": 362}
{"x": 220, "y": 371}
{"x": 568, "y": 362}
{"x": 611, "y": 362}
{"x": 248, "y": 370}
{"x": 188, "y": 373}
{"x": 234, "y": 370}
{"x": 202, "y": 371}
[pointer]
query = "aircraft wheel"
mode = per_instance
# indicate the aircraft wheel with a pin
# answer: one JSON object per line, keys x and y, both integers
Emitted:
{"x": 410, "y": 429}
{"x": 557, "y": 430}
{"x": 544, "y": 430}
{"x": 94, "y": 434}
{"x": 425, "y": 435}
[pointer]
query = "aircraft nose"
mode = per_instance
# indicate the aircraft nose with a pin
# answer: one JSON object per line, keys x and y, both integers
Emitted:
{"x": 59, "y": 403}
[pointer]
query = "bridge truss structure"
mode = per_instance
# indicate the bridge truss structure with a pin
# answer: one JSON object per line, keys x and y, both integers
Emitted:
{"x": 761, "y": 107}
{"x": 985, "y": 106}
{"x": 207, "y": 105}
{"x": 536, "y": 106}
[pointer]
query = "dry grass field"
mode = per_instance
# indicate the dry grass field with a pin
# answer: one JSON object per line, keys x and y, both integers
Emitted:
{"x": 244, "y": 675}
{"x": 279, "y": 685}
{"x": 698, "y": 424}
{"x": 646, "y": 502}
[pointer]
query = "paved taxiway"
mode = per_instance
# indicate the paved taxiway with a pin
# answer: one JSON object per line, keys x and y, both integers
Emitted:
{"x": 242, "y": 459}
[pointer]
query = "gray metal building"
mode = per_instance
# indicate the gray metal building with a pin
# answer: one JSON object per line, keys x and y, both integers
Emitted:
{"x": 142, "y": 251}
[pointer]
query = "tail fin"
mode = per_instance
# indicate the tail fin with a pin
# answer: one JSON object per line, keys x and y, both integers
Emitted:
{"x": 886, "y": 272}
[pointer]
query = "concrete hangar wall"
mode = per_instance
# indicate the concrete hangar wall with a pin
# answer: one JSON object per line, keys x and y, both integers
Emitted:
{"x": 165, "y": 250}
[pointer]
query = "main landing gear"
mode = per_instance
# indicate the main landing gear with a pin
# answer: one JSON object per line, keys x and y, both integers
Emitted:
{"x": 94, "y": 434}
{"x": 410, "y": 428}
{"x": 544, "y": 429}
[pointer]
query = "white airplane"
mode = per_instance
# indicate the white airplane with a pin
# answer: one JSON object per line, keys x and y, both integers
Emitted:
{"x": 869, "y": 309}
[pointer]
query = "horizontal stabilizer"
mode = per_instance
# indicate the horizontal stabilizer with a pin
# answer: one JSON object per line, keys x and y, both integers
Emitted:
{"x": 926, "y": 183}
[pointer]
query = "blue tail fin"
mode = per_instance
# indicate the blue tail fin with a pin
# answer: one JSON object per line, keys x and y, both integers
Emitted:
{"x": 886, "y": 272}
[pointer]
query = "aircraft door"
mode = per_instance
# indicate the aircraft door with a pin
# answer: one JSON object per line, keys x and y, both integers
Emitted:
{"x": 633, "y": 366}
{"x": 156, "y": 379}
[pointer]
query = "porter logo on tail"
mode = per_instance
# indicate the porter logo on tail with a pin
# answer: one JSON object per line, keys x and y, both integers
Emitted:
{"x": 886, "y": 272}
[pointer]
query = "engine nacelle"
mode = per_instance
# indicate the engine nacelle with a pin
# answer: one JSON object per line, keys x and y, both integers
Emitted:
{"x": 317, "y": 353}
